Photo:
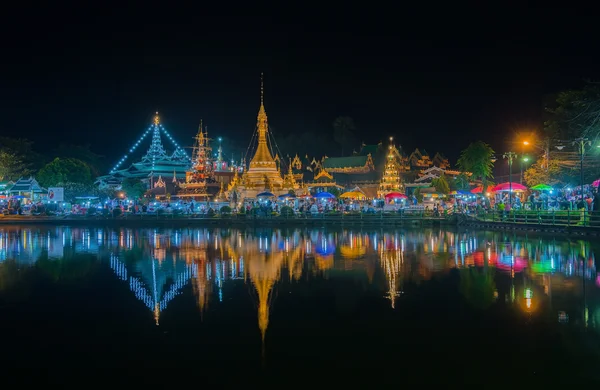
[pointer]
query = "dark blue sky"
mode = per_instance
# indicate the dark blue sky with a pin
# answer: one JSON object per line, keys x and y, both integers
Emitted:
{"x": 438, "y": 83}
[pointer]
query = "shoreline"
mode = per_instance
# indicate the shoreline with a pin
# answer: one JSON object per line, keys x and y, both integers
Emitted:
{"x": 144, "y": 221}
{"x": 327, "y": 221}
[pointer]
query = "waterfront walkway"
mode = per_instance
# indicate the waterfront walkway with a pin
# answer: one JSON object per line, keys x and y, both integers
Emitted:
{"x": 567, "y": 221}
{"x": 354, "y": 219}
{"x": 555, "y": 221}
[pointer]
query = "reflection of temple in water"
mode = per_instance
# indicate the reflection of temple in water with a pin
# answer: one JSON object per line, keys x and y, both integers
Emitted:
{"x": 266, "y": 255}
{"x": 158, "y": 264}
{"x": 391, "y": 256}
{"x": 154, "y": 282}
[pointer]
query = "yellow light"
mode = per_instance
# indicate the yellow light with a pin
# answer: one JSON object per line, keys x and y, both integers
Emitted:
{"x": 525, "y": 142}
{"x": 528, "y": 303}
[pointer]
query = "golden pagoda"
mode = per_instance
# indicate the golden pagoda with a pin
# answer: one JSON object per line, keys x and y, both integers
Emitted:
{"x": 263, "y": 173}
{"x": 391, "y": 181}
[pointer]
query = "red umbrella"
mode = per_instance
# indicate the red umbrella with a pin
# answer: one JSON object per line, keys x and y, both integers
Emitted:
{"x": 395, "y": 195}
{"x": 508, "y": 186}
{"x": 479, "y": 190}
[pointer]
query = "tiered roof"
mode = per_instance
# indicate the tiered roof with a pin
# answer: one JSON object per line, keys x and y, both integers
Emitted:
{"x": 26, "y": 185}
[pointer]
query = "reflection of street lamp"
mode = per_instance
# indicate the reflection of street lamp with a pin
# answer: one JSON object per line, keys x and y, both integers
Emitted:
{"x": 510, "y": 156}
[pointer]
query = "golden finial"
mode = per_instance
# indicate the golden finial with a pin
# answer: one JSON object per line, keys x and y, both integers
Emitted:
{"x": 156, "y": 119}
{"x": 262, "y": 89}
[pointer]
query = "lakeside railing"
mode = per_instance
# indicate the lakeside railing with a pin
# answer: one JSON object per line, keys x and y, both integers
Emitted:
{"x": 580, "y": 218}
{"x": 401, "y": 215}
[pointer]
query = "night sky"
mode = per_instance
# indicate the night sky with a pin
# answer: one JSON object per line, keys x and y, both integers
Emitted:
{"x": 434, "y": 82}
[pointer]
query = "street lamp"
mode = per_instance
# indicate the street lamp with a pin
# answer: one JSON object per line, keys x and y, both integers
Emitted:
{"x": 581, "y": 142}
{"x": 544, "y": 146}
{"x": 510, "y": 156}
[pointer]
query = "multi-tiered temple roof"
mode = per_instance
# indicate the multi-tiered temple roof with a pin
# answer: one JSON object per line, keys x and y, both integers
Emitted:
{"x": 157, "y": 162}
{"x": 199, "y": 181}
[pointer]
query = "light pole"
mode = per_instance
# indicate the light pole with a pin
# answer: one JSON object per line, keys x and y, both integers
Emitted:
{"x": 581, "y": 142}
{"x": 524, "y": 161}
{"x": 510, "y": 156}
{"x": 522, "y": 152}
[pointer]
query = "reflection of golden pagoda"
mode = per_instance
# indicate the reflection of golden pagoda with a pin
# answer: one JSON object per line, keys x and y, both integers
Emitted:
{"x": 392, "y": 261}
{"x": 264, "y": 266}
{"x": 263, "y": 173}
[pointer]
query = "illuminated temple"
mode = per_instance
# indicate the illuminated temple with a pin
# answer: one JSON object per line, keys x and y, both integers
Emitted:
{"x": 157, "y": 165}
{"x": 263, "y": 173}
{"x": 199, "y": 181}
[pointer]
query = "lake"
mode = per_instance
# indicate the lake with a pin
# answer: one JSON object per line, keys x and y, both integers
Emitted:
{"x": 369, "y": 307}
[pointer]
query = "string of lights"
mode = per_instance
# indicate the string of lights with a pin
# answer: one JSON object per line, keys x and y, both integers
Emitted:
{"x": 156, "y": 150}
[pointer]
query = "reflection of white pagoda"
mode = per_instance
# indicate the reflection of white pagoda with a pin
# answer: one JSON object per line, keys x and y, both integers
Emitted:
{"x": 153, "y": 282}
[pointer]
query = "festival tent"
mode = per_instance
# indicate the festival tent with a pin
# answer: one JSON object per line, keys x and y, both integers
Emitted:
{"x": 542, "y": 187}
{"x": 325, "y": 195}
{"x": 395, "y": 195}
{"x": 479, "y": 190}
{"x": 265, "y": 194}
{"x": 515, "y": 187}
{"x": 287, "y": 196}
{"x": 596, "y": 183}
{"x": 353, "y": 195}
{"x": 460, "y": 192}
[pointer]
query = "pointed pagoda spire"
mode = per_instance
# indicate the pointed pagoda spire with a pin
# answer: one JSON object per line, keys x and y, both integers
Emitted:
{"x": 262, "y": 157}
{"x": 156, "y": 152}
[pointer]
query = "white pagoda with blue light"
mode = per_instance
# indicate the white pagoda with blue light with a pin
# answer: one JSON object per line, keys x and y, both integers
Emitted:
{"x": 156, "y": 163}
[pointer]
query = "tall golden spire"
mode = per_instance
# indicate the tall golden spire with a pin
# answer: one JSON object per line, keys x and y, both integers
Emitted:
{"x": 262, "y": 157}
{"x": 156, "y": 119}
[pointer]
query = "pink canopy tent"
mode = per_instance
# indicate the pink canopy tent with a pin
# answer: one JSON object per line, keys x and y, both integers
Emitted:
{"x": 596, "y": 183}
{"x": 479, "y": 190}
{"x": 516, "y": 187}
{"x": 395, "y": 195}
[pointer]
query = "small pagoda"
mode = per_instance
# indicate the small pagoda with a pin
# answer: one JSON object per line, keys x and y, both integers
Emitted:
{"x": 390, "y": 180}
{"x": 199, "y": 177}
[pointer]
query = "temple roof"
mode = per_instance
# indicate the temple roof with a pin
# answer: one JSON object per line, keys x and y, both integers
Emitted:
{"x": 26, "y": 185}
{"x": 345, "y": 178}
{"x": 369, "y": 149}
{"x": 345, "y": 162}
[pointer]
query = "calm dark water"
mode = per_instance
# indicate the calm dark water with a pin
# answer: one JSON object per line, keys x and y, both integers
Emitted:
{"x": 350, "y": 306}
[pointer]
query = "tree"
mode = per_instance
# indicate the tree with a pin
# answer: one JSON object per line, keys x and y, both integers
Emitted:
{"x": 441, "y": 184}
{"x": 63, "y": 171}
{"x": 133, "y": 188}
{"x": 334, "y": 191}
{"x": 418, "y": 195}
{"x": 538, "y": 174}
{"x": 11, "y": 165}
{"x": 23, "y": 149}
{"x": 574, "y": 113}
{"x": 460, "y": 182}
{"x": 343, "y": 132}
{"x": 477, "y": 159}
{"x": 83, "y": 153}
